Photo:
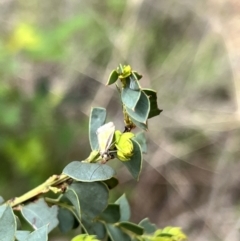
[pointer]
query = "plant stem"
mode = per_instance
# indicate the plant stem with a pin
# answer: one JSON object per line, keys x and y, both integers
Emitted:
{"x": 45, "y": 187}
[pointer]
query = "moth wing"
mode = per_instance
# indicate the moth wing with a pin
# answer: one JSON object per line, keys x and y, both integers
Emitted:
{"x": 105, "y": 135}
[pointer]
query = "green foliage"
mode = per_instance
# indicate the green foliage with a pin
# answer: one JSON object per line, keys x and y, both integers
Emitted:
{"x": 82, "y": 189}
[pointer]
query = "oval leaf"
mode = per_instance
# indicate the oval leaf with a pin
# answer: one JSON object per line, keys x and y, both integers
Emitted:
{"x": 7, "y": 223}
{"x": 113, "y": 77}
{"x": 88, "y": 172}
{"x": 93, "y": 197}
{"x": 97, "y": 119}
{"x": 134, "y": 165}
{"x": 39, "y": 214}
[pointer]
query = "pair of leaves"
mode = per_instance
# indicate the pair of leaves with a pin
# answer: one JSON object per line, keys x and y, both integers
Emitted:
{"x": 9, "y": 232}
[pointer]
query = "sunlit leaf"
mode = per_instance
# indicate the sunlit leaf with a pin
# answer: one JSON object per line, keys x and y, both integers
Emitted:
{"x": 88, "y": 172}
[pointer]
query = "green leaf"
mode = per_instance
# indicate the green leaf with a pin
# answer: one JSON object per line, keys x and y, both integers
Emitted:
{"x": 7, "y": 223}
{"x": 111, "y": 214}
{"x": 138, "y": 230}
{"x": 130, "y": 97}
{"x": 113, "y": 77}
{"x": 88, "y": 172}
{"x": 97, "y": 119}
{"x": 39, "y": 214}
{"x": 1, "y": 200}
{"x": 124, "y": 208}
{"x": 148, "y": 226}
{"x": 72, "y": 196}
{"x": 67, "y": 220}
{"x": 141, "y": 110}
{"x": 93, "y": 197}
{"x": 111, "y": 183}
{"x": 95, "y": 228}
{"x": 22, "y": 235}
{"x": 134, "y": 165}
{"x": 40, "y": 234}
{"x": 152, "y": 95}
{"x": 141, "y": 140}
{"x": 116, "y": 234}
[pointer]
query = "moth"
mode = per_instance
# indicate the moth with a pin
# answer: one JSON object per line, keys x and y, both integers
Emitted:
{"x": 105, "y": 136}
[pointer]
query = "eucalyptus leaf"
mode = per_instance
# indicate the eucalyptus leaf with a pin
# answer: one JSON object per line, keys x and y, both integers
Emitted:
{"x": 141, "y": 110}
{"x": 93, "y": 197}
{"x": 111, "y": 214}
{"x": 134, "y": 165}
{"x": 88, "y": 172}
{"x": 7, "y": 223}
{"x": 117, "y": 234}
{"x": 97, "y": 119}
{"x": 130, "y": 97}
{"x": 39, "y": 214}
{"x": 125, "y": 212}
{"x": 113, "y": 77}
{"x": 136, "y": 229}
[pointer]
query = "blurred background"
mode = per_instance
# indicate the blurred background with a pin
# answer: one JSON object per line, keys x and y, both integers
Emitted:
{"x": 55, "y": 58}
